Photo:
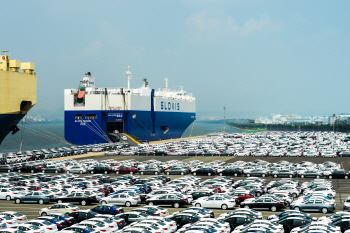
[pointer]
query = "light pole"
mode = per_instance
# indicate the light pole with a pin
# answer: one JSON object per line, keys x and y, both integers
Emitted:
{"x": 334, "y": 119}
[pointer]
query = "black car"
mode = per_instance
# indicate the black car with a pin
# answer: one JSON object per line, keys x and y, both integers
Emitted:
{"x": 176, "y": 171}
{"x": 263, "y": 203}
{"x": 311, "y": 174}
{"x": 184, "y": 218}
{"x": 344, "y": 153}
{"x": 258, "y": 172}
{"x": 30, "y": 168}
{"x": 291, "y": 222}
{"x": 82, "y": 215}
{"x": 340, "y": 174}
{"x": 198, "y": 194}
{"x": 79, "y": 198}
{"x": 231, "y": 172}
{"x": 160, "y": 152}
{"x": 205, "y": 171}
{"x": 167, "y": 200}
{"x": 54, "y": 169}
{"x": 150, "y": 170}
{"x": 101, "y": 169}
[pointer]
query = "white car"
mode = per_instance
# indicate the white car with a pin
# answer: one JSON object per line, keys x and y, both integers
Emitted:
{"x": 97, "y": 226}
{"x": 76, "y": 169}
{"x": 347, "y": 204}
{"x": 215, "y": 202}
{"x": 46, "y": 224}
{"x": 9, "y": 193}
{"x": 28, "y": 228}
{"x": 61, "y": 208}
{"x": 121, "y": 199}
{"x": 19, "y": 217}
{"x": 124, "y": 138}
{"x": 111, "y": 224}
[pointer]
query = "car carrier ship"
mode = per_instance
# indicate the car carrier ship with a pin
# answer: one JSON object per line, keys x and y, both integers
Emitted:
{"x": 99, "y": 115}
{"x": 18, "y": 90}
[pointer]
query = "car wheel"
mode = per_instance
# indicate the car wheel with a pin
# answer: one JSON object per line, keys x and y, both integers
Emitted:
{"x": 290, "y": 176}
{"x": 131, "y": 173}
{"x": 198, "y": 205}
{"x": 19, "y": 171}
{"x": 273, "y": 208}
{"x": 116, "y": 172}
{"x": 194, "y": 173}
{"x": 263, "y": 175}
{"x": 32, "y": 171}
{"x": 41, "y": 201}
{"x": 329, "y": 177}
{"x": 92, "y": 172}
{"x": 103, "y": 202}
{"x": 56, "y": 171}
{"x": 246, "y": 207}
{"x": 81, "y": 172}
{"x": 150, "y": 203}
{"x": 106, "y": 172}
{"x": 287, "y": 203}
{"x": 141, "y": 173}
{"x": 302, "y": 176}
{"x": 8, "y": 170}
{"x": 235, "y": 174}
{"x": 18, "y": 201}
{"x": 83, "y": 202}
{"x": 296, "y": 208}
{"x": 258, "y": 194}
{"x": 318, "y": 177}
{"x": 209, "y": 174}
{"x": 128, "y": 204}
{"x": 67, "y": 171}
{"x": 224, "y": 207}
{"x": 182, "y": 173}
{"x": 59, "y": 201}
{"x": 43, "y": 213}
{"x": 8, "y": 198}
{"x": 176, "y": 205}
{"x": 248, "y": 174}
{"x": 156, "y": 173}
{"x": 275, "y": 176}
{"x": 168, "y": 173}
{"x": 324, "y": 210}
{"x": 345, "y": 177}
{"x": 294, "y": 195}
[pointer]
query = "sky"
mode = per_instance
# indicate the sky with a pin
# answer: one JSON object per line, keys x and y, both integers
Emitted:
{"x": 255, "y": 57}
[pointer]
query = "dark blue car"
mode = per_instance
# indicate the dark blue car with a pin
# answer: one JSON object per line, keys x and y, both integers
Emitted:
{"x": 64, "y": 217}
{"x": 108, "y": 209}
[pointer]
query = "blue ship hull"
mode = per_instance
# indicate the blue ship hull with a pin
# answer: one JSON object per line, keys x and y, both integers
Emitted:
{"x": 81, "y": 129}
{"x": 8, "y": 123}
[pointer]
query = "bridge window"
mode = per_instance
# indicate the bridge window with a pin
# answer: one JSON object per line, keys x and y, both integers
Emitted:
{"x": 90, "y": 116}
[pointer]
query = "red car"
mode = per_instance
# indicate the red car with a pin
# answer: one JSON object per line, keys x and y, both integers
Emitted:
{"x": 126, "y": 170}
{"x": 240, "y": 197}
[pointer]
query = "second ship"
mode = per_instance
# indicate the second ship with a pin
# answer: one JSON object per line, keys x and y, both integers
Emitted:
{"x": 99, "y": 115}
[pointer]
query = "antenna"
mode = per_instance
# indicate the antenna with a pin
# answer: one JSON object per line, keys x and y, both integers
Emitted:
{"x": 128, "y": 73}
{"x": 166, "y": 84}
